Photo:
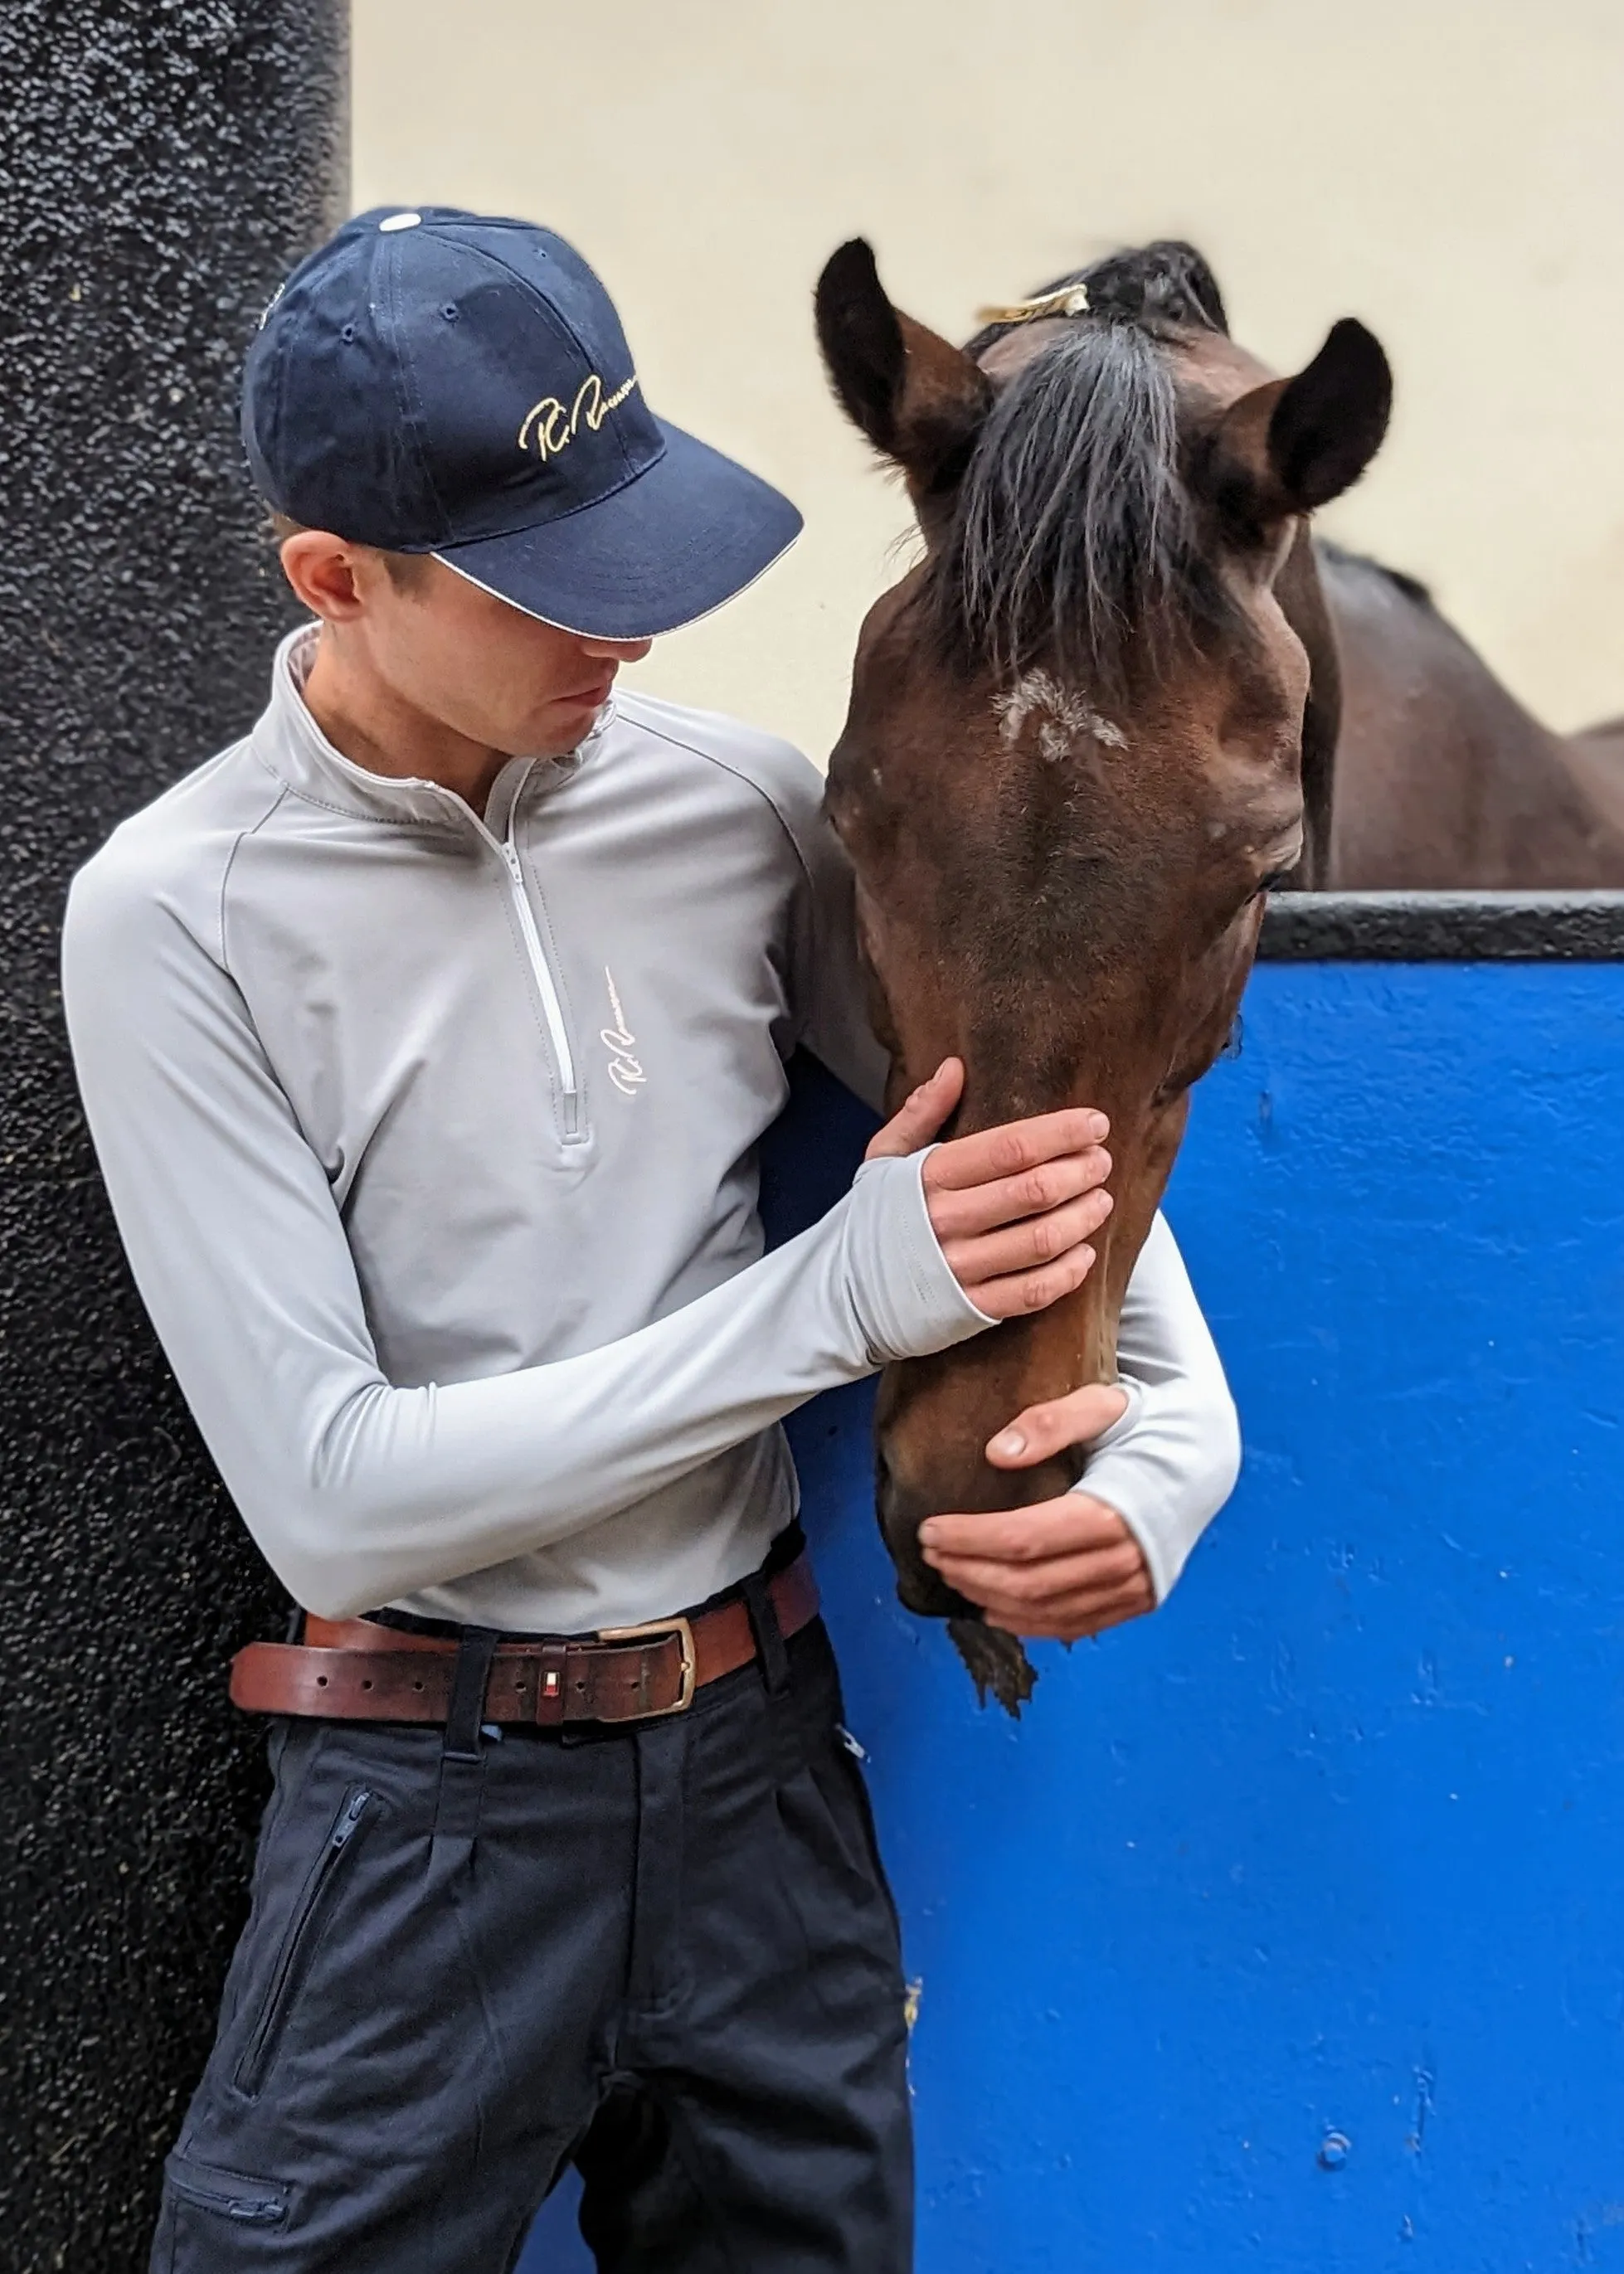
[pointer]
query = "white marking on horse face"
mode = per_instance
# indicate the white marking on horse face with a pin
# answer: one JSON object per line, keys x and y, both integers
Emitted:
{"x": 1065, "y": 715}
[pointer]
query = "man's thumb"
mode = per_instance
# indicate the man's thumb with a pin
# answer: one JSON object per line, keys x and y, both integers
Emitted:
{"x": 1057, "y": 1425}
{"x": 921, "y": 1113}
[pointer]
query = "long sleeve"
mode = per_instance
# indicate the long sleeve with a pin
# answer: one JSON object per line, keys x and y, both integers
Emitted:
{"x": 1171, "y": 1462}
{"x": 357, "y": 1491}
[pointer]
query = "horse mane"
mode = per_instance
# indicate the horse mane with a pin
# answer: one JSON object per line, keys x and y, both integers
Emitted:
{"x": 1411, "y": 587}
{"x": 1071, "y": 540}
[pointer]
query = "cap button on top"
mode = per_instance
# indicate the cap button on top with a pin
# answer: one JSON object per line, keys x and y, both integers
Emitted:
{"x": 399, "y": 221}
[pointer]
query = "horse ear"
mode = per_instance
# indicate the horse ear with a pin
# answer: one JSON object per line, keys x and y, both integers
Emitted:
{"x": 1297, "y": 443}
{"x": 921, "y": 401}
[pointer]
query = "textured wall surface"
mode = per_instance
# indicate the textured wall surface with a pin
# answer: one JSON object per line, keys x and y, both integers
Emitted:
{"x": 160, "y": 166}
{"x": 1283, "y": 1933}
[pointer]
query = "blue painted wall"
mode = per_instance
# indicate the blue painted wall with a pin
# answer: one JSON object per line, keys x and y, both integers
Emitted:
{"x": 1287, "y": 1932}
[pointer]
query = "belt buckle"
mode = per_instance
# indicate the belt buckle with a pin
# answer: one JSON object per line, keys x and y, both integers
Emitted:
{"x": 683, "y": 1632}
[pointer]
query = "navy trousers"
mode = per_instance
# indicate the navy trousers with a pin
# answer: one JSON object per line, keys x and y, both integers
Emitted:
{"x": 667, "y": 1954}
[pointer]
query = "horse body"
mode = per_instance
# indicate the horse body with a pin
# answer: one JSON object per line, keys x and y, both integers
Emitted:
{"x": 1073, "y": 765}
{"x": 1441, "y": 779}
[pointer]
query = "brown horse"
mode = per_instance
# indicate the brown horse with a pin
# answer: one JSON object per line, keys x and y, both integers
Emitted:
{"x": 1440, "y": 778}
{"x": 1072, "y": 765}
{"x": 1422, "y": 772}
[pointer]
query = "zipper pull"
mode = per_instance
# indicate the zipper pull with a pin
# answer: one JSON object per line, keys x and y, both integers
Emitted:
{"x": 344, "y": 1830}
{"x": 509, "y": 854}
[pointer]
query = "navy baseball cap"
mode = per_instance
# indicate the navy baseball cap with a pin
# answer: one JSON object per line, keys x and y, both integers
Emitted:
{"x": 437, "y": 382}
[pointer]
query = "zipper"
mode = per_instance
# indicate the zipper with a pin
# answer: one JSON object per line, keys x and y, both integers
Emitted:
{"x": 247, "y": 2211}
{"x": 293, "y": 1961}
{"x": 552, "y": 1007}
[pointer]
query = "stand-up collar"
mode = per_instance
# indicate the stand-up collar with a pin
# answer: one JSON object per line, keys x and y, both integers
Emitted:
{"x": 289, "y": 742}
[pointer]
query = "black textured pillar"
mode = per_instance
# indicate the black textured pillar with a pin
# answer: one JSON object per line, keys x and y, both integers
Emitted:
{"x": 162, "y": 163}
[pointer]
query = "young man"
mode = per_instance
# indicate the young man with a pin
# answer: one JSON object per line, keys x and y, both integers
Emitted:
{"x": 426, "y": 1036}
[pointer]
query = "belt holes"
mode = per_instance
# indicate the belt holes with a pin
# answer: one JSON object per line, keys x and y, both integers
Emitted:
{"x": 417, "y": 1685}
{"x": 320, "y": 1682}
{"x": 366, "y": 1685}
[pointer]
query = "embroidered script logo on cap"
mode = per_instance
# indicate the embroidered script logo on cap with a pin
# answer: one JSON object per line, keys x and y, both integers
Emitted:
{"x": 549, "y": 428}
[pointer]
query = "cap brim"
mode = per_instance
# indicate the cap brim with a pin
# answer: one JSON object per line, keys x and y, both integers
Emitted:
{"x": 683, "y": 537}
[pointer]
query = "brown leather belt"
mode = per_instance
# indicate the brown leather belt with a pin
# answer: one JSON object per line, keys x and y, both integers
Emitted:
{"x": 357, "y": 1670}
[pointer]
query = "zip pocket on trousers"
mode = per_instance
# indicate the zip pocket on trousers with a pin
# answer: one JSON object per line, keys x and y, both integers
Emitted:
{"x": 299, "y": 1944}
{"x": 228, "y": 2195}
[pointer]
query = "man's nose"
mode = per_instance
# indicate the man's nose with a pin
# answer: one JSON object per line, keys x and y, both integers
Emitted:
{"x": 616, "y": 651}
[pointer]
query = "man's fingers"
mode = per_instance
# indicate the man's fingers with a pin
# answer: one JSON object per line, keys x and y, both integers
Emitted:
{"x": 1070, "y": 1525}
{"x": 921, "y": 1114}
{"x": 1056, "y": 1424}
{"x": 1019, "y": 1247}
{"x": 1044, "y": 1589}
{"x": 1116, "y": 1613}
{"x": 958, "y": 1214}
{"x": 1067, "y": 1568}
{"x": 1012, "y": 1207}
{"x": 992, "y": 1155}
{"x": 1022, "y": 1292}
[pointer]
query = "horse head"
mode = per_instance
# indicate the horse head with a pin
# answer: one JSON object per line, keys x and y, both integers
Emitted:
{"x": 1072, "y": 763}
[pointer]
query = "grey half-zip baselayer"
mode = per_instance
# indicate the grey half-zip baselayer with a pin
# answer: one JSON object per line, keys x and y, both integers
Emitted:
{"x": 432, "y": 1139}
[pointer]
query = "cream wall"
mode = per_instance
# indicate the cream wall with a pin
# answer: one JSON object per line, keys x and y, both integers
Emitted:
{"x": 1450, "y": 170}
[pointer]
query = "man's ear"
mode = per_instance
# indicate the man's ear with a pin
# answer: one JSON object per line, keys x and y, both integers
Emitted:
{"x": 327, "y": 573}
{"x": 1297, "y": 443}
{"x": 921, "y": 401}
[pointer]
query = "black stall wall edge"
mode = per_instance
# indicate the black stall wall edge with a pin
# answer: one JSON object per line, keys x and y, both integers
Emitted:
{"x": 1443, "y": 928}
{"x": 161, "y": 168}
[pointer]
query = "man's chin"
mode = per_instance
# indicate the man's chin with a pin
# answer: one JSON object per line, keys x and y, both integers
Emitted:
{"x": 559, "y": 729}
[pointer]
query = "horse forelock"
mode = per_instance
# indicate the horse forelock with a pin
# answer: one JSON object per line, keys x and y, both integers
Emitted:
{"x": 1072, "y": 541}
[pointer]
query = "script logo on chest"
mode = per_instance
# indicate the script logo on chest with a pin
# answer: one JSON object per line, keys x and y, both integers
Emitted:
{"x": 625, "y": 1071}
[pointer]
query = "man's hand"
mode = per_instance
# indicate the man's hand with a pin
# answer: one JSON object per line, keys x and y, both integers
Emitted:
{"x": 1012, "y": 1206}
{"x": 1063, "y": 1568}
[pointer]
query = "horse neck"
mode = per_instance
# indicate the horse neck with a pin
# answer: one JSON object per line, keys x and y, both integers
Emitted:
{"x": 1443, "y": 780}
